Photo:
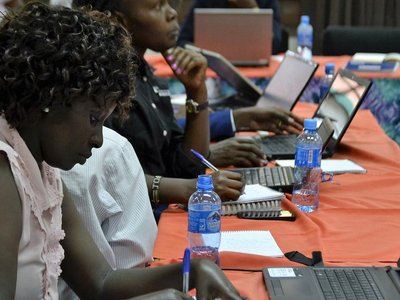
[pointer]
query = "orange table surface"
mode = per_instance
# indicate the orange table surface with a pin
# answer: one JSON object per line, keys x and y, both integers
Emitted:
{"x": 163, "y": 70}
{"x": 357, "y": 223}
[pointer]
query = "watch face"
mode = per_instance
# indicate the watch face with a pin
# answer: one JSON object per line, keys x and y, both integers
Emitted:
{"x": 191, "y": 106}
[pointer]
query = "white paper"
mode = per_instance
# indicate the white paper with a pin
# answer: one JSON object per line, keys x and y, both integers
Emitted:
{"x": 335, "y": 166}
{"x": 281, "y": 272}
{"x": 257, "y": 192}
{"x": 258, "y": 242}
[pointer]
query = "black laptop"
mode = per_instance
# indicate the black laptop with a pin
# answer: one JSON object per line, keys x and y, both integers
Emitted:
{"x": 340, "y": 104}
{"x": 283, "y": 90}
{"x": 316, "y": 283}
{"x": 282, "y": 178}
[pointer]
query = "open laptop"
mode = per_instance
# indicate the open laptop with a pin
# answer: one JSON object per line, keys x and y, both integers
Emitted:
{"x": 242, "y": 35}
{"x": 282, "y": 178}
{"x": 340, "y": 104}
{"x": 316, "y": 283}
{"x": 283, "y": 90}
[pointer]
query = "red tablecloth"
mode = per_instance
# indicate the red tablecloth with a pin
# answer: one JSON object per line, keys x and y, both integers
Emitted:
{"x": 162, "y": 69}
{"x": 358, "y": 221}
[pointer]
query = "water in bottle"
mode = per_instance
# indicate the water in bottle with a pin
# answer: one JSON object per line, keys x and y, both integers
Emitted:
{"x": 307, "y": 170}
{"x": 327, "y": 80}
{"x": 305, "y": 38}
{"x": 204, "y": 226}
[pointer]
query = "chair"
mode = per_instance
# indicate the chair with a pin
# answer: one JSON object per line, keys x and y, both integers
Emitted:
{"x": 347, "y": 40}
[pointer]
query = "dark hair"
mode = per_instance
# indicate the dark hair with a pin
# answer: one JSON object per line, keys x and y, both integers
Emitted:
{"x": 100, "y": 5}
{"x": 55, "y": 55}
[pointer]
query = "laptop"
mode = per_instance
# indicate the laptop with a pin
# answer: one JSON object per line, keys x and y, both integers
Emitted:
{"x": 242, "y": 35}
{"x": 316, "y": 283}
{"x": 340, "y": 104}
{"x": 284, "y": 88}
{"x": 282, "y": 178}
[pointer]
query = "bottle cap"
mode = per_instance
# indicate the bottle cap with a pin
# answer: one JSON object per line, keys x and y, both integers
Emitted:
{"x": 305, "y": 19}
{"x": 329, "y": 68}
{"x": 205, "y": 182}
{"x": 310, "y": 124}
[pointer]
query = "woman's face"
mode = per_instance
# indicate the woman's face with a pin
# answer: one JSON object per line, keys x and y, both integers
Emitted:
{"x": 68, "y": 134}
{"x": 152, "y": 23}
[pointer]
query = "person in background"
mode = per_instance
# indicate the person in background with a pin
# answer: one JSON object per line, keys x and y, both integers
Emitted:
{"x": 55, "y": 98}
{"x": 162, "y": 146}
{"x": 186, "y": 33}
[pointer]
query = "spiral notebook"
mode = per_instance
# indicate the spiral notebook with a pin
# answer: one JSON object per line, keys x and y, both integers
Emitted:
{"x": 256, "y": 198}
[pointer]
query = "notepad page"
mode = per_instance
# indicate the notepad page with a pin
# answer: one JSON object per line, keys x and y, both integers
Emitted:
{"x": 258, "y": 242}
{"x": 335, "y": 166}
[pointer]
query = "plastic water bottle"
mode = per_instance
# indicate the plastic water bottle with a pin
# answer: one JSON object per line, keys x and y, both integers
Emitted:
{"x": 327, "y": 80}
{"x": 307, "y": 170}
{"x": 305, "y": 38}
{"x": 204, "y": 224}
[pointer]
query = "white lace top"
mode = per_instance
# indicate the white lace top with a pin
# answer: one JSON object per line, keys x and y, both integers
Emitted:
{"x": 40, "y": 191}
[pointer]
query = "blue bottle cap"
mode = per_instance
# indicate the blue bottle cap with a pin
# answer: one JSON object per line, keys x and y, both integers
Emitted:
{"x": 329, "y": 68}
{"x": 205, "y": 182}
{"x": 310, "y": 124}
{"x": 305, "y": 19}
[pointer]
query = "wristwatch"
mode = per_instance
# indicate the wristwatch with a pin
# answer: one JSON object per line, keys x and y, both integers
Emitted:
{"x": 192, "y": 107}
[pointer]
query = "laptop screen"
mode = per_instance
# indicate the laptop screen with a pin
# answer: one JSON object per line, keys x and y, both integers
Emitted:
{"x": 231, "y": 32}
{"x": 341, "y": 103}
{"x": 288, "y": 82}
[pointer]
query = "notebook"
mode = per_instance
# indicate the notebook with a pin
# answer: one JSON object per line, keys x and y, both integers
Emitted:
{"x": 283, "y": 90}
{"x": 242, "y": 35}
{"x": 340, "y": 104}
{"x": 255, "y": 198}
{"x": 315, "y": 283}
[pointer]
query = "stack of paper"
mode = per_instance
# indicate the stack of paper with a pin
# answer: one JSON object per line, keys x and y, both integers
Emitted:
{"x": 334, "y": 166}
{"x": 374, "y": 62}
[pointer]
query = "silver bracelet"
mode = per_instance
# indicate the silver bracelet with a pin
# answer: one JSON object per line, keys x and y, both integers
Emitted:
{"x": 155, "y": 189}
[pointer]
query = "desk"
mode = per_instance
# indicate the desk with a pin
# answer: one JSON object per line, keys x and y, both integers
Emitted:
{"x": 358, "y": 222}
{"x": 383, "y": 98}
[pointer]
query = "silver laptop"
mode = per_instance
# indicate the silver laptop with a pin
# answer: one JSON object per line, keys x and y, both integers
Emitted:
{"x": 283, "y": 91}
{"x": 316, "y": 283}
{"x": 243, "y": 36}
{"x": 340, "y": 104}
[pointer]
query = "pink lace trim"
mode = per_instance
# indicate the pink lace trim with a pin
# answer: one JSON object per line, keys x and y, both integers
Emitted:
{"x": 48, "y": 182}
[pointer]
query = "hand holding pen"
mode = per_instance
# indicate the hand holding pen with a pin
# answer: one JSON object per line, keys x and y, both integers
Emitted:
{"x": 235, "y": 180}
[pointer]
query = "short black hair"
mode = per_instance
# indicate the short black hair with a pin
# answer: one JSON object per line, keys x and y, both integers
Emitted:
{"x": 55, "y": 55}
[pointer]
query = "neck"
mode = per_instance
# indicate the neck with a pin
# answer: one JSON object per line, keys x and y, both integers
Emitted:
{"x": 140, "y": 51}
{"x": 30, "y": 138}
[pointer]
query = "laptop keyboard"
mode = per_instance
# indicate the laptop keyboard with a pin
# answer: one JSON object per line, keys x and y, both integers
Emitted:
{"x": 279, "y": 144}
{"x": 347, "y": 284}
{"x": 280, "y": 178}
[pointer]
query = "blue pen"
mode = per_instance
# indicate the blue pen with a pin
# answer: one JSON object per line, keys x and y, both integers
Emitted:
{"x": 186, "y": 270}
{"x": 204, "y": 161}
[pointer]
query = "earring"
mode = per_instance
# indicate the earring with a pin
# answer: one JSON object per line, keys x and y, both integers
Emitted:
{"x": 46, "y": 109}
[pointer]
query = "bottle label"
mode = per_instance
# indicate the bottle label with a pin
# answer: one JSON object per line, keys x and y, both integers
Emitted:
{"x": 309, "y": 158}
{"x": 204, "y": 221}
{"x": 304, "y": 39}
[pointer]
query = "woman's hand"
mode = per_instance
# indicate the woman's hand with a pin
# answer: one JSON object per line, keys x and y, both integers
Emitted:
{"x": 228, "y": 185}
{"x": 239, "y": 152}
{"x": 211, "y": 282}
{"x": 189, "y": 67}
{"x": 269, "y": 119}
